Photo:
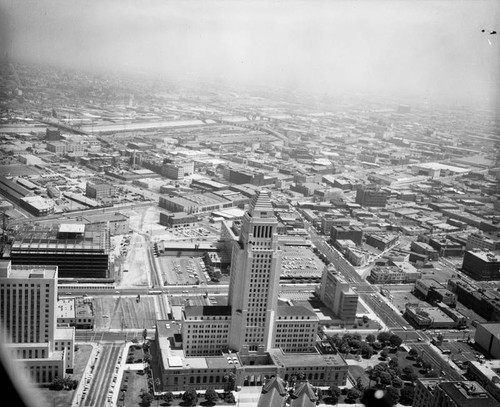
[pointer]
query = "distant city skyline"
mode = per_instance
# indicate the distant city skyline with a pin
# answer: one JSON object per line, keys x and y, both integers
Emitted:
{"x": 431, "y": 50}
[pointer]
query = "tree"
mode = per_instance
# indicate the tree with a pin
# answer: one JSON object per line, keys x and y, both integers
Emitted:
{"x": 344, "y": 348}
{"x": 57, "y": 384}
{"x": 413, "y": 353}
{"x": 397, "y": 383}
{"x": 360, "y": 385}
{"x": 407, "y": 370}
{"x": 394, "y": 362}
{"x": 144, "y": 334}
{"x": 365, "y": 318}
{"x": 395, "y": 340}
{"x": 432, "y": 373}
{"x": 230, "y": 379}
{"x": 384, "y": 354}
{"x": 229, "y": 398}
{"x": 367, "y": 351}
{"x": 334, "y": 391}
{"x": 319, "y": 395}
{"x": 168, "y": 397}
{"x": 147, "y": 399}
{"x": 407, "y": 395}
{"x": 394, "y": 394}
{"x": 190, "y": 397}
{"x": 383, "y": 337}
{"x": 412, "y": 377}
{"x": 385, "y": 378}
{"x": 355, "y": 344}
{"x": 370, "y": 338}
{"x": 211, "y": 397}
{"x": 353, "y": 394}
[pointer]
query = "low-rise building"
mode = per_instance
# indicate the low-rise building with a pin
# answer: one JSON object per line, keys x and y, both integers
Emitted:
{"x": 487, "y": 374}
{"x": 439, "y": 393}
{"x": 177, "y": 220}
{"x": 395, "y": 272}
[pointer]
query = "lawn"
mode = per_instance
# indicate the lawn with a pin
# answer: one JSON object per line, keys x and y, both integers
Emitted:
{"x": 134, "y": 383}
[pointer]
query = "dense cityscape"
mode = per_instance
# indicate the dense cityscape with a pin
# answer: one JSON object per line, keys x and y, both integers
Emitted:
{"x": 178, "y": 241}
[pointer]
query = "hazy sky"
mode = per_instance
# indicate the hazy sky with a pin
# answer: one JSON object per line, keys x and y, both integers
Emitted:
{"x": 432, "y": 49}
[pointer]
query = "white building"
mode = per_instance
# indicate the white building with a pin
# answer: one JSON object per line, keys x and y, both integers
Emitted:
{"x": 28, "y": 298}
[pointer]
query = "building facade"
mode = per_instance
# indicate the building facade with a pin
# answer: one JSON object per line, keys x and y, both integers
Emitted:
{"x": 253, "y": 337}
{"x": 481, "y": 265}
{"x": 335, "y": 292}
{"x": 28, "y": 297}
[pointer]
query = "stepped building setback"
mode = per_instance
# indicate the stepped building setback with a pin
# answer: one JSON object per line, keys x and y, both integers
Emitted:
{"x": 253, "y": 337}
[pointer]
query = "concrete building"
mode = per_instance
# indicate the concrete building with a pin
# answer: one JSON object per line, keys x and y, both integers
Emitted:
{"x": 488, "y": 337}
{"x": 446, "y": 247}
{"x": 433, "y": 291}
{"x": 178, "y": 170}
{"x": 177, "y": 220}
{"x": 99, "y": 190}
{"x": 76, "y": 251}
{"x": 37, "y": 205}
{"x": 28, "y": 297}
{"x": 253, "y": 337}
{"x": 371, "y": 196}
{"x": 487, "y": 374}
{"x": 200, "y": 203}
{"x": 482, "y": 241}
{"x": 425, "y": 249}
{"x": 354, "y": 233}
{"x": 484, "y": 302}
{"x": 439, "y": 393}
{"x": 382, "y": 241}
{"x": 395, "y": 273}
{"x": 428, "y": 317}
{"x": 335, "y": 292}
{"x": 481, "y": 265}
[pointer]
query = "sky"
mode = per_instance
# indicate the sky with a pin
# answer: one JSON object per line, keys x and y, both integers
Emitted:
{"x": 429, "y": 49}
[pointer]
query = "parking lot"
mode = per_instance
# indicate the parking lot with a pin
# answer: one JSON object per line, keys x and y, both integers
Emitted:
{"x": 300, "y": 262}
{"x": 181, "y": 270}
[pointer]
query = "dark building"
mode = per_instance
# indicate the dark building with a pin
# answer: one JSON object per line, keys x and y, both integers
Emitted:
{"x": 371, "y": 196}
{"x": 245, "y": 177}
{"x": 446, "y": 247}
{"x": 481, "y": 265}
{"x": 77, "y": 252}
{"x": 485, "y": 303}
{"x": 52, "y": 134}
{"x": 353, "y": 233}
{"x": 382, "y": 241}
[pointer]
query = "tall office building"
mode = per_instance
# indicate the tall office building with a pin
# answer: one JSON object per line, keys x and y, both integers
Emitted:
{"x": 254, "y": 336}
{"x": 28, "y": 296}
{"x": 255, "y": 274}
